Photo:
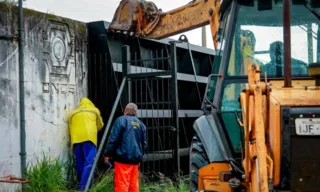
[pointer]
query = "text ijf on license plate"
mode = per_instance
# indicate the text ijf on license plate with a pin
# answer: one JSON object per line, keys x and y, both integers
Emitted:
{"x": 307, "y": 126}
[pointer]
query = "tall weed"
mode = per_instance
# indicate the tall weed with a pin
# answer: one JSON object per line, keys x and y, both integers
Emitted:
{"x": 49, "y": 175}
{"x": 70, "y": 172}
{"x": 45, "y": 176}
{"x": 105, "y": 183}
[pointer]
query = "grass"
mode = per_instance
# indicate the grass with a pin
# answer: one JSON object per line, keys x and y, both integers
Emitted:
{"x": 51, "y": 175}
{"x": 105, "y": 183}
{"x": 45, "y": 175}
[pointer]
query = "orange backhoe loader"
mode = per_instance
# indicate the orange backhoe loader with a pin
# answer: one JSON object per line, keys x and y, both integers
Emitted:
{"x": 260, "y": 130}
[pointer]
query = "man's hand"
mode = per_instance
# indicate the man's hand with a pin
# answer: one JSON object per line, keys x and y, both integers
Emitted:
{"x": 106, "y": 160}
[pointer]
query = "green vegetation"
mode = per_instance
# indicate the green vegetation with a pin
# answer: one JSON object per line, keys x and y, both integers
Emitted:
{"x": 165, "y": 185}
{"x": 51, "y": 175}
{"x": 11, "y": 7}
{"x": 7, "y": 5}
{"x": 47, "y": 175}
{"x": 13, "y": 2}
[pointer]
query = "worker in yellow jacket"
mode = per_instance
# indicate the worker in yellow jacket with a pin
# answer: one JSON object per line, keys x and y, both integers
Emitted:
{"x": 84, "y": 124}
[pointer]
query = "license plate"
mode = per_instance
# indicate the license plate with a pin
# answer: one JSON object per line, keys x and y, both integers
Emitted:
{"x": 308, "y": 126}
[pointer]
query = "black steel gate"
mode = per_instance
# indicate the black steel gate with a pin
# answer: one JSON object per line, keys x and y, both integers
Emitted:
{"x": 150, "y": 80}
{"x": 152, "y": 85}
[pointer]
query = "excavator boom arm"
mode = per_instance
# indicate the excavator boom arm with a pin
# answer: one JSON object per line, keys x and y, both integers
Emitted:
{"x": 144, "y": 19}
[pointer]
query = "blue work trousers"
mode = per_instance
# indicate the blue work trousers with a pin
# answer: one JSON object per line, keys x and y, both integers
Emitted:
{"x": 85, "y": 153}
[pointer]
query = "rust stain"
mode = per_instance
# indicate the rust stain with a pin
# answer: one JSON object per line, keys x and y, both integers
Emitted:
{"x": 52, "y": 157}
{"x": 44, "y": 133}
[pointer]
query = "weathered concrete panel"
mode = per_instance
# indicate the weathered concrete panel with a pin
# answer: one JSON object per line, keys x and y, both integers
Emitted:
{"x": 55, "y": 57}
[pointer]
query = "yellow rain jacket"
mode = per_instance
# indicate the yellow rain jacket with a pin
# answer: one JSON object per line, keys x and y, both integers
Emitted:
{"x": 85, "y": 122}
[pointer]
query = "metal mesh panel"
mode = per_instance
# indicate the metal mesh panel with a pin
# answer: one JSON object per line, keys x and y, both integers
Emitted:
{"x": 151, "y": 92}
{"x": 152, "y": 87}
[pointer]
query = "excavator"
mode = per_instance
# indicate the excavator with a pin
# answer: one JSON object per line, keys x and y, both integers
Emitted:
{"x": 260, "y": 130}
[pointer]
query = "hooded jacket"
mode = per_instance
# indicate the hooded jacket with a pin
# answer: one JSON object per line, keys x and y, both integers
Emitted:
{"x": 85, "y": 122}
{"x": 127, "y": 141}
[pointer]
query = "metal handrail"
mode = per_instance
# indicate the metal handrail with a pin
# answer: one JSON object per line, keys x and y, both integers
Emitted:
{"x": 106, "y": 131}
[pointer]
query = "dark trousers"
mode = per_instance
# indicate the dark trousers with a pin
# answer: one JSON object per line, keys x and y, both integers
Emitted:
{"x": 85, "y": 153}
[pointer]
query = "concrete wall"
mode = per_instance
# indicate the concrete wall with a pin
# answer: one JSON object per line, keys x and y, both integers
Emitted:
{"x": 55, "y": 75}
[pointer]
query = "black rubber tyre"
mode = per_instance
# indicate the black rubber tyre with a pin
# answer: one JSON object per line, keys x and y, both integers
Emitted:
{"x": 198, "y": 159}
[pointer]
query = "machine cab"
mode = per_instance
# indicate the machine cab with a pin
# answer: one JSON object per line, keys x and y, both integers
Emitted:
{"x": 246, "y": 30}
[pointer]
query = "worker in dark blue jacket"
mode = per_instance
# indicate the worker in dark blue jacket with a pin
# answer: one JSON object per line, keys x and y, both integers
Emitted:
{"x": 126, "y": 146}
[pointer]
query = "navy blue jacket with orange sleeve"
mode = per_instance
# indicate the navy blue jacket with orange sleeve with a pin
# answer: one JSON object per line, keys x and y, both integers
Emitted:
{"x": 128, "y": 140}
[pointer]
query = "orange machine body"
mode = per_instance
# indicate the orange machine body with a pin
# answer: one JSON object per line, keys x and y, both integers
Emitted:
{"x": 144, "y": 19}
{"x": 211, "y": 177}
{"x": 261, "y": 101}
{"x": 302, "y": 93}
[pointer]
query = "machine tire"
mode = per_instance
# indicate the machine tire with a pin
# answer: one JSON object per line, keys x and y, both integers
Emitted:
{"x": 198, "y": 159}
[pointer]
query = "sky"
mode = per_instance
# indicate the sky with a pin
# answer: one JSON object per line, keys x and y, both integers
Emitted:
{"x": 94, "y": 10}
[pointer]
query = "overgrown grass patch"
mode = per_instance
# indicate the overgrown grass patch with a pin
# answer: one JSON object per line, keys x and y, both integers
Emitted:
{"x": 51, "y": 175}
{"x": 105, "y": 183}
{"x": 45, "y": 175}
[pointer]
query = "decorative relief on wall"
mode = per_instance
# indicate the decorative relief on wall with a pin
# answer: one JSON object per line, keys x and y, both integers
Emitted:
{"x": 58, "y": 55}
{"x": 59, "y": 50}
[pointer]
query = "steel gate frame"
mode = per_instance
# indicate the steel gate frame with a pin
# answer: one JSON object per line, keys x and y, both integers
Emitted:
{"x": 126, "y": 90}
{"x": 164, "y": 74}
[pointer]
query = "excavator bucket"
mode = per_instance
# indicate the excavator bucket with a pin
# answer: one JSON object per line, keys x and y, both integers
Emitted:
{"x": 124, "y": 16}
{"x": 134, "y": 17}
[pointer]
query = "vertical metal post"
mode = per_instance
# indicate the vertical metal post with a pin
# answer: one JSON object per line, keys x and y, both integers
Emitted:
{"x": 318, "y": 43}
{"x": 94, "y": 79}
{"x": 126, "y": 69}
{"x": 239, "y": 68}
{"x": 204, "y": 36}
{"x": 175, "y": 112}
{"x": 21, "y": 93}
{"x": 310, "y": 43}
{"x": 287, "y": 42}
